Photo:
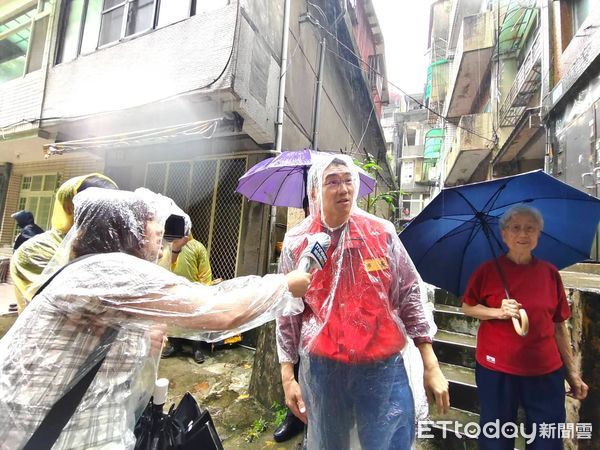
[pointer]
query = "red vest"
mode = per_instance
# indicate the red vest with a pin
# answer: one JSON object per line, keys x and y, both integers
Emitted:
{"x": 355, "y": 323}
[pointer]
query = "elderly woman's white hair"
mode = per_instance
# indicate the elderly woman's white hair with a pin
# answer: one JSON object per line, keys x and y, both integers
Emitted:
{"x": 524, "y": 209}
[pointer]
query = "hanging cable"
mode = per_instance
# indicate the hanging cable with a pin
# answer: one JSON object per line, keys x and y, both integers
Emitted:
{"x": 369, "y": 68}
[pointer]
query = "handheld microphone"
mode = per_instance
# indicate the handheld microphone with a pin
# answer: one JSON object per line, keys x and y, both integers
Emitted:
{"x": 314, "y": 255}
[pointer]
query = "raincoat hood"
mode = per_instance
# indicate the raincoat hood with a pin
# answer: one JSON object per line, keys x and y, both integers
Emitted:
{"x": 316, "y": 179}
{"x": 23, "y": 218}
{"x": 62, "y": 214}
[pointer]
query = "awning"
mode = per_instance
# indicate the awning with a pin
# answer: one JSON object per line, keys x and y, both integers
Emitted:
{"x": 518, "y": 20}
{"x": 434, "y": 139}
{"x": 428, "y": 86}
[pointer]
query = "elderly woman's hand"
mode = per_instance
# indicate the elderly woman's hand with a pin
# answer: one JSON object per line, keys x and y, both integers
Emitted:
{"x": 510, "y": 308}
{"x": 579, "y": 389}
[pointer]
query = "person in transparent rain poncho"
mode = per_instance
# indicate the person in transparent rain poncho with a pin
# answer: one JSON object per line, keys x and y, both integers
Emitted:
{"x": 30, "y": 260}
{"x": 360, "y": 311}
{"x": 117, "y": 286}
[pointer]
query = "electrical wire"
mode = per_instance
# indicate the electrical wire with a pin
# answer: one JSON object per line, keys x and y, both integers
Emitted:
{"x": 370, "y": 69}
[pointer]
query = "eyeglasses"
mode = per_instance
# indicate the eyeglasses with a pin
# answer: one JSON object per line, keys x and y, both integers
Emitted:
{"x": 335, "y": 184}
{"x": 527, "y": 229}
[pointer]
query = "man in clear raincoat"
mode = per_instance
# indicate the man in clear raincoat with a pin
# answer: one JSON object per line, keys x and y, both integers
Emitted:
{"x": 360, "y": 310}
{"x": 119, "y": 287}
{"x": 31, "y": 258}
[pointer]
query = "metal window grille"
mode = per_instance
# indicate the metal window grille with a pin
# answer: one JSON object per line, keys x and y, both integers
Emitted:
{"x": 205, "y": 190}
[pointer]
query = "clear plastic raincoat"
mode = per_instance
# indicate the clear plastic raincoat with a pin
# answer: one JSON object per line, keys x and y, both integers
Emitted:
{"x": 118, "y": 286}
{"x": 30, "y": 259}
{"x": 360, "y": 312}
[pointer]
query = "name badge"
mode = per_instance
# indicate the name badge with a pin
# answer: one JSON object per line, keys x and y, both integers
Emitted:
{"x": 372, "y": 265}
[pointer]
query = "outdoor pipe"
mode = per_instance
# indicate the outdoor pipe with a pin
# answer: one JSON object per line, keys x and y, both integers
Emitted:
{"x": 279, "y": 120}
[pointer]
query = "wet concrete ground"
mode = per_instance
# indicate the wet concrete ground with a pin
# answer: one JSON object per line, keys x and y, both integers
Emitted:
{"x": 220, "y": 384}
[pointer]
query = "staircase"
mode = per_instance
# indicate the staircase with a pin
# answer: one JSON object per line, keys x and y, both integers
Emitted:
{"x": 454, "y": 345}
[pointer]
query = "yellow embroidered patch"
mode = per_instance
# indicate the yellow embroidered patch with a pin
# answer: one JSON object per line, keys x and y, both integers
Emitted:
{"x": 375, "y": 264}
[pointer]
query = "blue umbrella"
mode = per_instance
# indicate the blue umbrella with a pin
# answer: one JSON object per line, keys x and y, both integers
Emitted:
{"x": 459, "y": 230}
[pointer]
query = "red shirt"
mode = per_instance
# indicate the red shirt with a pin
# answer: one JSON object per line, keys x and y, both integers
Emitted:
{"x": 538, "y": 287}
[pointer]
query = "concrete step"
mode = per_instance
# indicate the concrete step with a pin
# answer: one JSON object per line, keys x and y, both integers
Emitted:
{"x": 463, "y": 390}
{"x": 452, "y": 318}
{"x": 455, "y": 348}
{"x": 447, "y": 430}
{"x": 453, "y": 435}
{"x": 442, "y": 297}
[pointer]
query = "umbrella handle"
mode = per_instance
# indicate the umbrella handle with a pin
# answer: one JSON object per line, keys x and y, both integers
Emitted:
{"x": 521, "y": 326}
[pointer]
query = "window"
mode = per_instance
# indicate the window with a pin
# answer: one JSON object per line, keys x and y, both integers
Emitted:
{"x": 89, "y": 24}
{"x": 407, "y": 172}
{"x": 411, "y": 136}
{"x": 581, "y": 9}
{"x": 37, "y": 192}
{"x": 375, "y": 67}
{"x": 125, "y": 18}
{"x": 22, "y": 40}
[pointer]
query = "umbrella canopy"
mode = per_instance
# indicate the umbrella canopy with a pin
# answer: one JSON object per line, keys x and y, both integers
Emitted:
{"x": 185, "y": 427}
{"x": 459, "y": 230}
{"x": 281, "y": 180}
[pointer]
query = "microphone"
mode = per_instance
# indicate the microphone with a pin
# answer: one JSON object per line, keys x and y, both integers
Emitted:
{"x": 314, "y": 255}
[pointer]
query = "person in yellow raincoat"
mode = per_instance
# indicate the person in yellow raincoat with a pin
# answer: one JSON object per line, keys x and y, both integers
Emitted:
{"x": 189, "y": 259}
{"x": 30, "y": 259}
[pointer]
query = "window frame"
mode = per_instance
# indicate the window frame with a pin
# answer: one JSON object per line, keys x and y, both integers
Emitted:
{"x": 37, "y": 7}
{"x": 123, "y": 37}
{"x": 25, "y": 193}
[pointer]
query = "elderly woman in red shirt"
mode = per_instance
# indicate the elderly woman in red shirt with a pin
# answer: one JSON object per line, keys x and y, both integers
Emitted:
{"x": 515, "y": 370}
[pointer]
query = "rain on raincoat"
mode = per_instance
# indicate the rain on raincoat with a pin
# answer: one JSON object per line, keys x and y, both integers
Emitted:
{"x": 30, "y": 259}
{"x": 121, "y": 287}
{"x": 360, "y": 311}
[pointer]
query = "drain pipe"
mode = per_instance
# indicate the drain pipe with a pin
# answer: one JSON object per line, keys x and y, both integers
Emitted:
{"x": 279, "y": 121}
{"x": 317, "y": 114}
{"x": 282, "y": 73}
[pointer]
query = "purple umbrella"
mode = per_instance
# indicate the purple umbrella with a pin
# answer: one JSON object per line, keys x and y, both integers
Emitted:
{"x": 281, "y": 180}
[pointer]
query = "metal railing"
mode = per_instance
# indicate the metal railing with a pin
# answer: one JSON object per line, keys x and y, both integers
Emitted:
{"x": 526, "y": 83}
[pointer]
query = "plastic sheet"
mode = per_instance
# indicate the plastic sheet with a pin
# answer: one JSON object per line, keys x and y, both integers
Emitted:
{"x": 361, "y": 309}
{"x": 119, "y": 286}
{"x": 31, "y": 258}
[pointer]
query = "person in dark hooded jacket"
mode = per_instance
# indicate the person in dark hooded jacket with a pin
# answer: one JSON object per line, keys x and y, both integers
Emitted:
{"x": 28, "y": 227}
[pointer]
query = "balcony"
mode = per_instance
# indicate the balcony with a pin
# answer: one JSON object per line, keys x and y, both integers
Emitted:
{"x": 412, "y": 151}
{"x": 470, "y": 65}
{"x": 468, "y": 149}
{"x": 411, "y": 172}
{"x": 170, "y": 79}
{"x": 526, "y": 84}
{"x": 460, "y": 10}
